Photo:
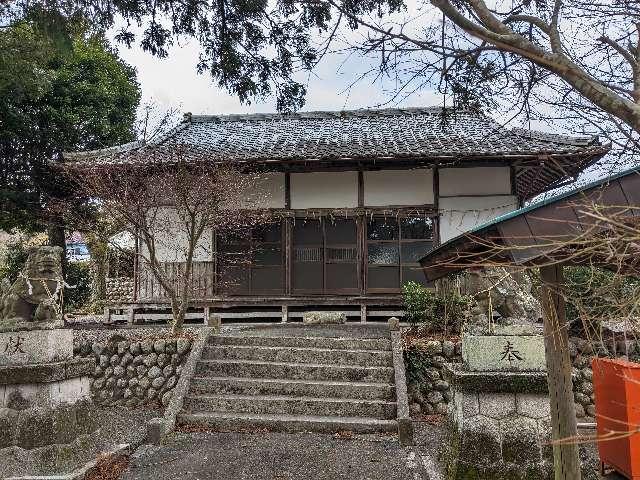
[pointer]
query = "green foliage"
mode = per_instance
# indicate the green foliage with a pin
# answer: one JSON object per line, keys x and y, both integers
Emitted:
{"x": 78, "y": 276}
{"x": 416, "y": 362}
{"x": 253, "y": 48}
{"x": 594, "y": 295}
{"x": 439, "y": 312}
{"x": 55, "y": 96}
{"x": 14, "y": 259}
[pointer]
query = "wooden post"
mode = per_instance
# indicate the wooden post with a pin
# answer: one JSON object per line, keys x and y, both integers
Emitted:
{"x": 556, "y": 340}
{"x": 363, "y": 313}
{"x": 207, "y": 313}
{"x": 285, "y": 313}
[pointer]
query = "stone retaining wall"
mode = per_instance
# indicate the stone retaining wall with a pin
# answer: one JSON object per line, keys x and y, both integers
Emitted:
{"x": 134, "y": 372}
{"x": 42, "y": 426}
{"x": 429, "y": 393}
{"x": 119, "y": 290}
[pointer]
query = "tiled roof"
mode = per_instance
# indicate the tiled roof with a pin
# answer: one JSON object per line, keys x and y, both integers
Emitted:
{"x": 426, "y": 133}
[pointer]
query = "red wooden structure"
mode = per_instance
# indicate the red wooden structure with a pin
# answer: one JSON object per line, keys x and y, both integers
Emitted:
{"x": 617, "y": 388}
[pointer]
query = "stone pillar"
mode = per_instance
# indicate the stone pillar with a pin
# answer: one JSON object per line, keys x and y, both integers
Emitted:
{"x": 498, "y": 421}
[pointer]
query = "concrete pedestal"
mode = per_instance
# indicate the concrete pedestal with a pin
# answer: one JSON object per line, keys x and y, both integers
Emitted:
{"x": 499, "y": 420}
{"x": 35, "y": 346}
{"x": 44, "y": 387}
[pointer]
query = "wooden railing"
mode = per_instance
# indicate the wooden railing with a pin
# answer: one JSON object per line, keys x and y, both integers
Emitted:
{"x": 202, "y": 280}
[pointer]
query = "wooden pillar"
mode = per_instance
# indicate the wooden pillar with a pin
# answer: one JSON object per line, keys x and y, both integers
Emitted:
{"x": 556, "y": 339}
{"x": 206, "y": 314}
{"x": 285, "y": 313}
{"x": 363, "y": 312}
{"x": 131, "y": 315}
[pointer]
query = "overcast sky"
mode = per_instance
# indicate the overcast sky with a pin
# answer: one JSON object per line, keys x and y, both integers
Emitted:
{"x": 173, "y": 82}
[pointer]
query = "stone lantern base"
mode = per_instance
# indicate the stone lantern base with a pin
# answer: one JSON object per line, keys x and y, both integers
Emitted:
{"x": 498, "y": 425}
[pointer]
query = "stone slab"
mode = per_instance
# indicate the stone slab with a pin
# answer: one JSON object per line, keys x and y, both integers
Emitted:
{"x": 405, "y": 427}
{"x": 324, "y": 318}
{"x": 503, "y": 353}
{"x": 498, "y": 382}
{"x": 46, "y": 372}
{"x": 35, "y": 346}
{"x": 52, "y": 394}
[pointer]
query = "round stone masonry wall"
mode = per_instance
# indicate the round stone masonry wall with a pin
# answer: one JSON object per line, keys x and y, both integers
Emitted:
{"x": 133, "y": 372}
{"x": 429, "y": 392}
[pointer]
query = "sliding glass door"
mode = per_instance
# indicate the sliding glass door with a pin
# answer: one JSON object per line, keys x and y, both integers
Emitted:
{"x": 325, "y": 256}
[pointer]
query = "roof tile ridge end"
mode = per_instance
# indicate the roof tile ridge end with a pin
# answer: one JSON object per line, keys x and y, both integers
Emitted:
{"x": 576, "y": 140}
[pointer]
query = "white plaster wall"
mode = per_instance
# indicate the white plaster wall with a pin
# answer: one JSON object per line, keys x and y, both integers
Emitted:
{"x": 324, "y": 190}
{"x": 461, "y": 214}
{"x": 398, "y": 187}
{"x": 475, "y": 181}
{"x": 171, "y": 242}
{"x": 267, "y": 191}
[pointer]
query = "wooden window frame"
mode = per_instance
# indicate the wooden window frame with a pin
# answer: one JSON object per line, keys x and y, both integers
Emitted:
{"x": 251, "y": 245}
{"x": 399, "y": 241}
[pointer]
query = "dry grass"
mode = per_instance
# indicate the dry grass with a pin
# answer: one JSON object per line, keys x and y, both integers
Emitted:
{"x": 108, "y": 467}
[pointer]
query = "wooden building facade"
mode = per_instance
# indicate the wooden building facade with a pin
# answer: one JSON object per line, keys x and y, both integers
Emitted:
{"x": 361, "y": 196}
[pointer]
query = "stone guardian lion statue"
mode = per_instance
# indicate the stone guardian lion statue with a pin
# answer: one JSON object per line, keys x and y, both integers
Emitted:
{"x": 33, "y": 297}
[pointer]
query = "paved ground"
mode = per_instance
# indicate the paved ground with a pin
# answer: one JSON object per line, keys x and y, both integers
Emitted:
{"x": 276, "y": 456}
{"x": 302, "y": 456}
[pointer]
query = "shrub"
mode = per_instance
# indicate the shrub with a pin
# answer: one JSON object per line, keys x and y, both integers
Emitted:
{"x": 594, "y": 295}
{"x": 439, "y": 312}
{"x": 416, "y": 362}
{"x": 79, "y": 276}
{"x": 15, "y": 257}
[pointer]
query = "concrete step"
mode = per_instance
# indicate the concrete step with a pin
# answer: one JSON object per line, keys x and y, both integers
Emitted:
{"x": 304, "y": 342}
{"x": 311, "y": 388}
{"x": 301, "y": 371}
{"x": 339, "y": 407}
{"x": 286, "y": 423}
{"x": 373, "y": 358}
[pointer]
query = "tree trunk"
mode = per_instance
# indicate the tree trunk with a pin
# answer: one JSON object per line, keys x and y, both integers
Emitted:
{"x": 55, "y": 232}
{"x": 563, "y": 415}
{"x": 99, "y": 250}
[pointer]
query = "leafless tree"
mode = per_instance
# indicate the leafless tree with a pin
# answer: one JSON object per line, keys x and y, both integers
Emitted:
{"x": 600, "y": 236}
{"x": 172, "y": 200}
{"x": 573, "y": 66}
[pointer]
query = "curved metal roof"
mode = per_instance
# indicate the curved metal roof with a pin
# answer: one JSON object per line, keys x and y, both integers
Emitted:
{"x": 542, "y": 232}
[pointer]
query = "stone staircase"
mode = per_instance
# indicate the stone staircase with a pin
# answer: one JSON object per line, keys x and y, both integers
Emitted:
{"x": 294, "y": 382}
